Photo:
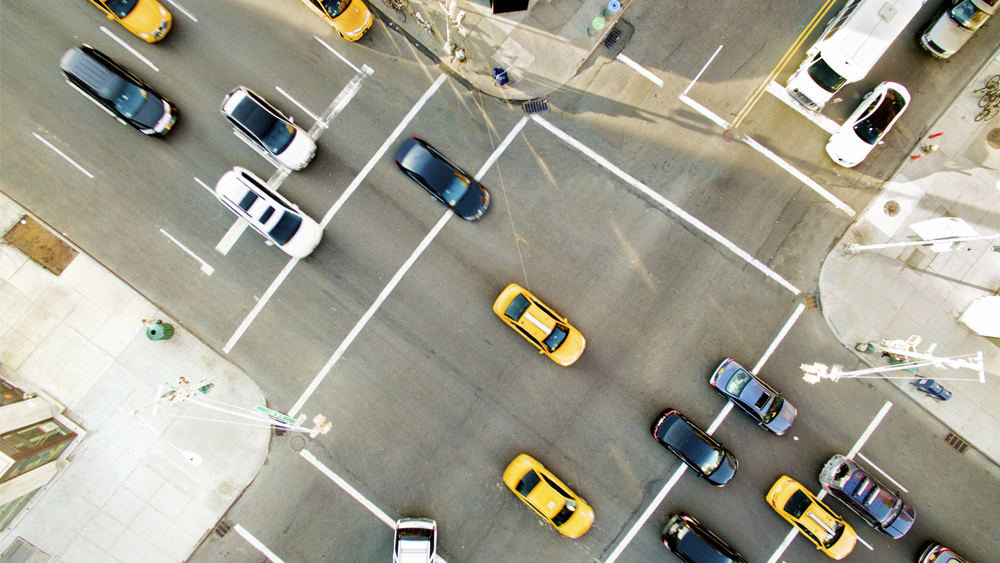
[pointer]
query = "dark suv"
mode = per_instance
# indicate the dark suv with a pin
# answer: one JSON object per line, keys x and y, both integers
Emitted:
{"x": 689, "y": 540}
{"x": 881, "y": 508}
{"x": 117, "y": 91}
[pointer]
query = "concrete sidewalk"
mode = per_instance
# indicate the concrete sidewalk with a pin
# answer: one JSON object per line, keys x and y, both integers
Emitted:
{"x": 127, "y": 493}
{"x": 541, "y": 48}
{"x": 897, "y": 292}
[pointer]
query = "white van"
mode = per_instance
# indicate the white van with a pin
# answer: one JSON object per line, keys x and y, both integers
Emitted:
{"x": 850, "y": 46}
{"x": 955, "y": 25}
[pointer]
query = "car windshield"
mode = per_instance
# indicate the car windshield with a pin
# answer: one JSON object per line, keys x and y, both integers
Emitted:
{"x": 968, "y": 16}
{"x": 738, "y": 382}
{"x": 273, "y": 132}
{"x": 568, "y": 510}
{"x": 121, "y": 8}
{"x": 130, "y": 99}
{"x": 774, "y": 410}
{"x": 797, "y": 504}
{"x": 826, "y": 77}
{"x": 334, "y": 8}
{"x": 285, "y": 228}
{"x": 415, "y": 534}
{"x": 517, "y": 307}
{"x": 527, "y": 483}
{"x": 871, "y": 128}
{"x": 555, "y": 338}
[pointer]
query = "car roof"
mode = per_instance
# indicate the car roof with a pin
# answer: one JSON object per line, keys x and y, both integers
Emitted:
{"x": 92, "y": 71}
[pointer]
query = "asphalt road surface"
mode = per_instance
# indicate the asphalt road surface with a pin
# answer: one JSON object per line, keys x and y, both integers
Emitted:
{"x": 622, "y": 208}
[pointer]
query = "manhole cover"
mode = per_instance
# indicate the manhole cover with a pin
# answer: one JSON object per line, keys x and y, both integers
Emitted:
{"x": 993, "y": 138}
{"x": 891, "y": 208}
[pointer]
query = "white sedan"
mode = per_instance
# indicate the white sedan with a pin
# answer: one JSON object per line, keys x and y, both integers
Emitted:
{"x": 874, "y": 117}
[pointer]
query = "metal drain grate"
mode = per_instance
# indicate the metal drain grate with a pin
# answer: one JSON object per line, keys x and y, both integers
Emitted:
{"x": 223, "y": 527}
{"x": 613, "y": 37}
{"x": 537, "y": 105}
{"x": 956, "y": 442}
{"x": 812, "y": 301}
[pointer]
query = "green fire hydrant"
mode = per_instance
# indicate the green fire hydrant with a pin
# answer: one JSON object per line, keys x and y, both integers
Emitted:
{"x": 158, "y": 330}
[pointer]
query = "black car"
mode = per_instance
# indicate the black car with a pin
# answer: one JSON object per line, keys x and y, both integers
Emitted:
{"x": 448, "y": 183}
{"x": 875, "y": 503}
{"x": 689, "y": 540}
{"x": 700, "y": 451}
{"x": 117, "y": 91}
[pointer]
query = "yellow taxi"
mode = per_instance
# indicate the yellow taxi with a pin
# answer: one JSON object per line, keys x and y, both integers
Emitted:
{"x": 538, "y": 488}
{"x": 351, "y": 18}
{"x": 550, "y": 333}
{"x": 146, "y": 19}
{"x": 828, "y": 531}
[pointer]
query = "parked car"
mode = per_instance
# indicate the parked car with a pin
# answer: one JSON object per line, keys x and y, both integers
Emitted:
{"x": 698, "y": 450}
{"x": 820, "y": 525}
{"x": 351, "y": 18}
{"x": 146, "y": 19}
{"x": 955, "y": 25}
{"x": 874, "y": 117}
{"x": 881, "y": 508}
{"x": 268, "y": 213}
{"x": 694, "y": 543}
{"x": 117, "y": 91}
{"x": 414, "y": 540}
{"x": 937, "y": 553}
{"x": 931, "y": 388}
{"x": 267, "y": 130}
{"x": 538, "y": 488}
{"x": 448, "y": 183}
{"x": 755, "y": 397}
{"x": 546, "y": 330}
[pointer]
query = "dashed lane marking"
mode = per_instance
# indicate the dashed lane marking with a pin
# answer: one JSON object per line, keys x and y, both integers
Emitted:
{"x": 130, "y": 49}
{"x": 257, "y": 544}
{"x": 62, "y": 154}
{"x": 205, "y": 267}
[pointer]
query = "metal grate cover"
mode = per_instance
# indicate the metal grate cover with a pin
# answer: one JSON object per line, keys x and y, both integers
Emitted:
{"x": 956, "y": 442}
{"x": 537, "y": 105}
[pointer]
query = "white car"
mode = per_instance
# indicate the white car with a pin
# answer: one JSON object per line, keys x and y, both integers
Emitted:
{"x": 268, "y": 213}
{"x": 955, "y": 25}
{"x": 415, "y": 541}
{"x": 874, "y": 117}
{"x": 267, "y": 130}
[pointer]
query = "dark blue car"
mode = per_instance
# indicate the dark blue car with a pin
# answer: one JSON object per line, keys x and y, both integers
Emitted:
{"x": 448, "y": 183}
{"x": 932, "y": 388}
{"x": 875, "y": 503}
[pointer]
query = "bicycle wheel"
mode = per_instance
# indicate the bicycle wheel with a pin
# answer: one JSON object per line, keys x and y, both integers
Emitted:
{"x": 988, "y": 113}
{"x": 993, "y": 83}
{"x": 990, "y": 99}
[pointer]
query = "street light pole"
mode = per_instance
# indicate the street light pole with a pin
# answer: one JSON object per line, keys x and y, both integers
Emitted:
{"x": 816, "y": 372}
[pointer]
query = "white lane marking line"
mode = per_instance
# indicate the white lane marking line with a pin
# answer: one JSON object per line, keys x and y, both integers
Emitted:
{"x": 702, "y": 71}
{"x": 259, "y": 305}
{"x": 183, "y": 10}
{"x": 773, "y": 158}
{"x": 296, "y": 102}
{"x": 130, "y": 49}
{"x": 308, "y": 456}
{"x": 62, "y": 154}
{"x": 340, "y": 102}
{"x": 248, "y": 320}
{"x": 271, "y": 556}
{"x": 824, "y": 122}
{"x": 822, "y": 493}
{"x": 232, "y": 235}
{"x": 781, "y": 336}
{"x": 204, "y": 185}
{"x": 719, "y": 418}
{"x": 823, "y": 192}
{"x": 783, "y": 546}
{"x": 871, "y": 428}
{"x": 382, "y": 150}
{"x": 360, "y": 325}
{"x": 334, "y": 51}
{"x": 669, "y": 205}
{"x": 204, "y": 265}
{"x": 640, "y": 69}
{"x": 646, "y": 514}
{"x": 871, "y": 464}
{"x": 396, "y": 278}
